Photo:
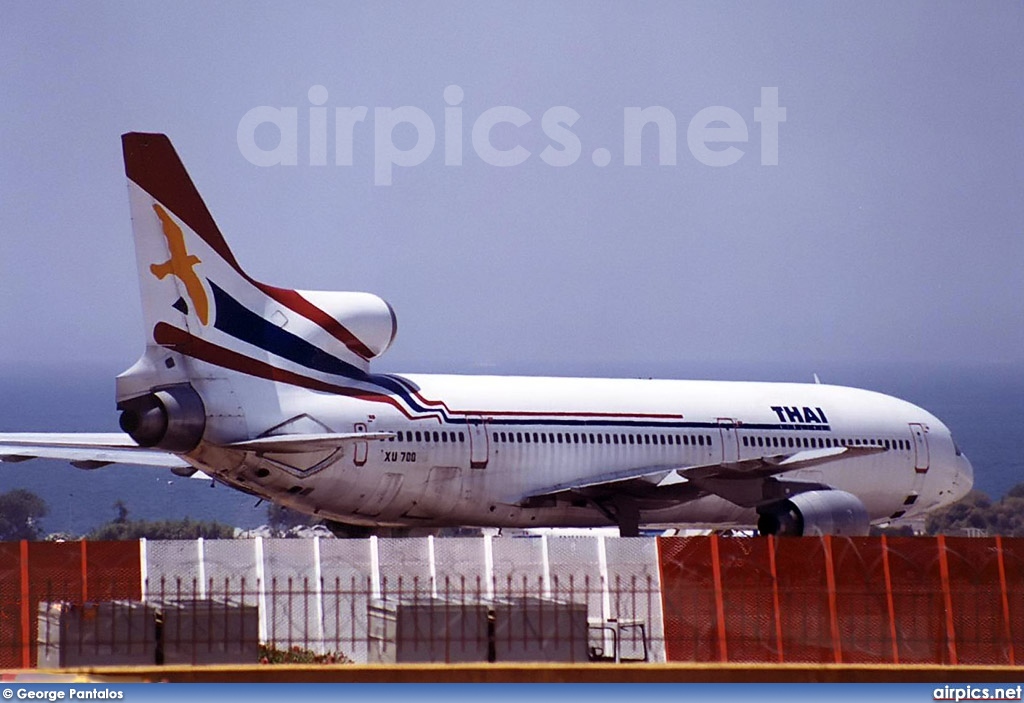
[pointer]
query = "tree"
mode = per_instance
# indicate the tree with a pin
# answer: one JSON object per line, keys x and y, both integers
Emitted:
{"x": 121, "y": 528}
{"x": 162, "y": 529}
{"x": 20, "y": 515}
{"x": 976, "y": 511}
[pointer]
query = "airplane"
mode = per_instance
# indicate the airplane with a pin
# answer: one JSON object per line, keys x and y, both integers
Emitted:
{"x": 269, "y": 390}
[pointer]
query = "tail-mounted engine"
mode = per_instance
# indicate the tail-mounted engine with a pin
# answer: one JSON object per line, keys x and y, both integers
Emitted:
{"x": 829, "y": 512}
{"x": 172, "y": 418}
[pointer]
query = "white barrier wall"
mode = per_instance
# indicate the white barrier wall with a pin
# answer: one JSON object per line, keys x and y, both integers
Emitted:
{"x": 313, "y": 593}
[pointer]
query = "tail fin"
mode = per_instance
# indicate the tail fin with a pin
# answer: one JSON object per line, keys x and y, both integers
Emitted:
{"x": 199, "y": 303}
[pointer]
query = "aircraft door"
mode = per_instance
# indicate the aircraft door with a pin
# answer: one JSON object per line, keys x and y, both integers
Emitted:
{"x": 479, "y": 447}
{"x": 362, "y": 447}
{"x": 921, "y": 458}
{"x": 730, "y": 440}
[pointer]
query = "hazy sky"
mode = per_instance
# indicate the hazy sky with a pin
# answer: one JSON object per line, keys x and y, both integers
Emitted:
{"x": 892, "y": 227}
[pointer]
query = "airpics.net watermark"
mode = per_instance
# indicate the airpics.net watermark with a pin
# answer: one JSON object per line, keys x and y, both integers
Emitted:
{"x": 711, "y": 135}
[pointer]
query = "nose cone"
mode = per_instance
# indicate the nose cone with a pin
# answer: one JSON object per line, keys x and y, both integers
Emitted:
{"x": 963, "y": 479}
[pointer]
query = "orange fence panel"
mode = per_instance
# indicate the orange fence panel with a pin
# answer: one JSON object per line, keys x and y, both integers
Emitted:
{"x": 863, "y": 613}
{"x": 1012, "y": 552}
{"x": 805, "y": 610}
{"x": 34, "y": 572}
{"x": 918, "y": 601}
{"x": 750, "y": 600}
{"x": 976, "y": 595}
{"x": 114, "y": 571}
{"x": 689, "y": 600}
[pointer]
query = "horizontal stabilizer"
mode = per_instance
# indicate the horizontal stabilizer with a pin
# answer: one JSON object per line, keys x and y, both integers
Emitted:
{"x": 300, "y": 443}
{"x": 84, "y": 450}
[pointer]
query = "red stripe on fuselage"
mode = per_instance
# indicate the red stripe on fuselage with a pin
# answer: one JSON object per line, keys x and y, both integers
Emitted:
{"x": 197, "y": 348}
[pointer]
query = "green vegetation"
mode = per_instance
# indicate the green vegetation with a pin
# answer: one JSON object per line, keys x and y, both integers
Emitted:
{"x": 979, "y": 512}
{"x": 20, "y": 513}
{"x": 121, "y": 528}
{"x": 297, "y": 655}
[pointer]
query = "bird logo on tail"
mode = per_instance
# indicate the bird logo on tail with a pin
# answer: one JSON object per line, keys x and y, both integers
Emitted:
{"x": 181, "y": 266}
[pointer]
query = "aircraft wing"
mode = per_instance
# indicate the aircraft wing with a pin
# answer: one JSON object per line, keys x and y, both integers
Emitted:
{"x": 84, "y": 450}
{"x": 748, "y": 483}
{"x": 93, "y": 450}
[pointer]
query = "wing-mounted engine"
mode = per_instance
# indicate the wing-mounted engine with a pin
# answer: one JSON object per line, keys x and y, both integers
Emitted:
{"x": 171, "y": 418}
{"x": 827, "y": 512}
{"x": 367, "y": 318}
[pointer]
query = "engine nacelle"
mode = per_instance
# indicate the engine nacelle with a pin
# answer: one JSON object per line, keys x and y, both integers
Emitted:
{"x": 171, "y": 418}
{"x": 369, "y": 318}
{"x": 828, "y": 512}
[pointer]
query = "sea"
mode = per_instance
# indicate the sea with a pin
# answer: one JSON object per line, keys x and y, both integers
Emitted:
{"x": 982, "y": 404}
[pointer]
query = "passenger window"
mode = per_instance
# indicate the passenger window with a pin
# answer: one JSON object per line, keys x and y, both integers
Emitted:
{"x": 462, "y": 437}
{"x": 575, "y": 438}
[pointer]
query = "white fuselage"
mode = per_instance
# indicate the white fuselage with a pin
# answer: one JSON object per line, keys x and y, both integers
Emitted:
{"x": 474, "y": 449}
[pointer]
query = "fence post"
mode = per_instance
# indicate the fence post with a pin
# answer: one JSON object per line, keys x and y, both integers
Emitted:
{"x": 374, "y": 567}
{"x": 833, "y": 613}
{"x": 261, "y": 587}
{"x": 432, "y": 566}
{"x": 489, "y": 564}
{"x": 947, "y": 599}
{"x": 889, "y": 600}
{"x": 319, "y": 592}
{"x": 1007, "y": 632}
{"x": 776, "y": 605}
{"x": 716, "y": 572}
{"x": 201, "y": 566}
{"x": 602, "y": 565}
{"x": 85, "y": 571}
{"x": 546, "y": 565}
{"x": 143, "y": 569}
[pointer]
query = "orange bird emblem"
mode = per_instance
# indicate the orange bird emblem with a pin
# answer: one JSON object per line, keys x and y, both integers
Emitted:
{"x": 180, "y": 265}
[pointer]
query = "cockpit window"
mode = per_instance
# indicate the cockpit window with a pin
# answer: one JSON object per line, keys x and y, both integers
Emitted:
{"x": 956, "y": 448}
